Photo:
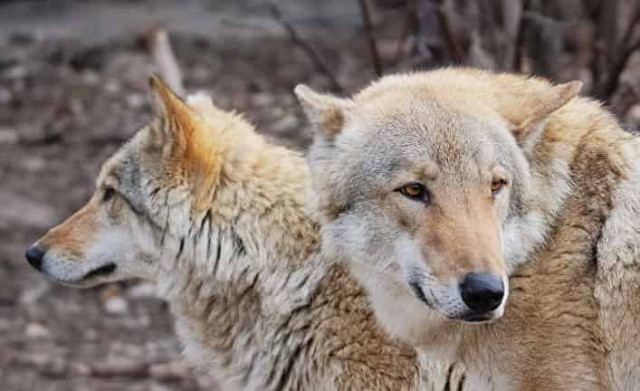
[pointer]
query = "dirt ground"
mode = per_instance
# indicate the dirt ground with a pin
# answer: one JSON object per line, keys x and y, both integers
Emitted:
{"x": 73, "y": 87}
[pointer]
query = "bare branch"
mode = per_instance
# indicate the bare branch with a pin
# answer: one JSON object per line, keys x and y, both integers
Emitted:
{"x": 457, "y": 53}
{"x": 306, "y": 47}
{"x": 371, "y": 41}
{"x": 160, "y": 50}
{"x": 617, "y": 68}
{"x": 631, "y": 29}
{"x": 610, "y": 66}
{"x": 411, "y": 28}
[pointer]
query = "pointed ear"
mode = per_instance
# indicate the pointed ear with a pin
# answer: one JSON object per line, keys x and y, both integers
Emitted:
{"x": 325, "y": 111}
{"x": 540, "y": 105}
{"x": 164, "y": 102}
{"x": 190, "y": 146}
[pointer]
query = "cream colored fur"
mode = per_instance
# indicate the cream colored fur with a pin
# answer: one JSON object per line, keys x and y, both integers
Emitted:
{"x": 201, "y": 204}
{"x": 568, "y": 221}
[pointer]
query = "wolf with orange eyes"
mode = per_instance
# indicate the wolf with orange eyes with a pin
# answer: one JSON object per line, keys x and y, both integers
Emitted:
{"x": 493, "y": 218}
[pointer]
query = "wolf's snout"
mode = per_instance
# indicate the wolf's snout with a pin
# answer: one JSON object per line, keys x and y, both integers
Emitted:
{"x": 34, "y": 255}
{"x": 482, "y": 292}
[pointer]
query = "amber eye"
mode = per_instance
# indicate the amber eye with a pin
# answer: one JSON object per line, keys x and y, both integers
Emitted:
{"x": 108, "y": 194}
{"x": 497, "y": 185}
{"x": 415, "y": 191}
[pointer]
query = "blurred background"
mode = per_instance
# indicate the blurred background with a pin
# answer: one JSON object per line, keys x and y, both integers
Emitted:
{"x": 73, "y": 87}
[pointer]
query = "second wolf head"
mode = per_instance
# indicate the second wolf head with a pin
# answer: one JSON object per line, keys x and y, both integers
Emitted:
{"x": 423, "y": 182}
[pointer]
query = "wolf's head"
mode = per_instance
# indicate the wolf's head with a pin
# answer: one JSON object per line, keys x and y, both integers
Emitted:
{"x": 419, "y": 177}
{"x": 181, "y": 185}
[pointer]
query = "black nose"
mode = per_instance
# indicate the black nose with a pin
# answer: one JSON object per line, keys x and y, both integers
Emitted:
{"x": 34, "y": 256}
{"x": 482, "y": 292}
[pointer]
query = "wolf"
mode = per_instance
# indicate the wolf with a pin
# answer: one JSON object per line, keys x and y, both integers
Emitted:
{"x": 492, "y": 218}
{"x": 201, "y": 204}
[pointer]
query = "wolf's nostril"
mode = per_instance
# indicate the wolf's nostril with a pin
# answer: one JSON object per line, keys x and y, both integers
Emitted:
{"x": 34, "y": 256}
{"x": 482, "y": 292}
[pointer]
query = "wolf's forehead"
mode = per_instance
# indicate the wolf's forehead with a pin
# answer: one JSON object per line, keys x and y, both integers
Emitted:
{"x": 443, "y": 138}
{"x": 122, "y": 161}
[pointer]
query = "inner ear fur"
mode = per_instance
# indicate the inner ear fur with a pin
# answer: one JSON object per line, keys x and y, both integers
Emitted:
{"x": 529, "y": 109}
{"x": 326, "y": 112}
{"x": 191, "y": 149}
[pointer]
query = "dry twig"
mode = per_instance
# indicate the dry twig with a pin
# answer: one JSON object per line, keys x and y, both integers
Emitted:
{"x": 306, "y": 47}
{"x": 629, "y": 44}
{"x": 411, "y": 28}
{"x": 371, "y": 41}
{"x": 456, "y": 51}
{"x": 611, "y": 56}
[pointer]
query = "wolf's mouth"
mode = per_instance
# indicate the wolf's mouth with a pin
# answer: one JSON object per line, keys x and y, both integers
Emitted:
{"x": 477, "y": 318}
{"x": 101, "y": 271}
{"x": 419, "y": 293}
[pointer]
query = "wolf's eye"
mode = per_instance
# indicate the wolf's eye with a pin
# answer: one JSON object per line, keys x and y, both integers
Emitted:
{"x": 415, "y": 191}
{"x": 108, "y": 194}
{"x": 497, "y": 185}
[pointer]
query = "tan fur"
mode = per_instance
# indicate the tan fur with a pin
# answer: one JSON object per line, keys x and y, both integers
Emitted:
{"x": 77, "y": 233}
{"x": 571, "y": 247}
{"x": 216, "y": 216}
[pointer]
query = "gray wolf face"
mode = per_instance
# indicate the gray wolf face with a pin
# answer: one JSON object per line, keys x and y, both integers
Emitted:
{"x": 417, "y": 182}
{"x": 146, "y": 195}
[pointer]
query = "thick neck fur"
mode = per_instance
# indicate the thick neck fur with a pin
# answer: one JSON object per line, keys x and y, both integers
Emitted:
{"x": 260, "y": 307}
{"x": 556, "y": 164}
{"x": 233, "y": 274}
{"x": 231, "y": 300}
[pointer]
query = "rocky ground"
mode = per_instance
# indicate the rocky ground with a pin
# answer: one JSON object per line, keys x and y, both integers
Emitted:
{"x": 73, "y": 87}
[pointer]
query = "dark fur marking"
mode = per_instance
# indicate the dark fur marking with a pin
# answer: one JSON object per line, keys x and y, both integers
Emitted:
{"x": 180, "y": 249}
{"x": 463, "y": 380}
{"x": 218, "y": 253}
{"x": 249, "y": 370}
{"x": 206, "y": 221}
{"x": 208, "y": 309}
{"x": 272, "y": 372}
{"x": 286, "y": 324}
{"x": 197, "y": 289}
{"x": 338, "y": 210}
{"x": 285, "y": 375}
{"x": 303, "y": 282}
{"x": 166, "y": 220}
{"x": 447, "y": 385}
{"x": 137, "y": 211}
{"x": 238, "y": 244}
{"x": 249, "y": 287}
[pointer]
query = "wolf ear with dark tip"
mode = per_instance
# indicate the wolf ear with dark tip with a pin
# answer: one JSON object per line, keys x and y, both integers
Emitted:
{"x": 326, "y": 112}
{"x": 542, "y": 103}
